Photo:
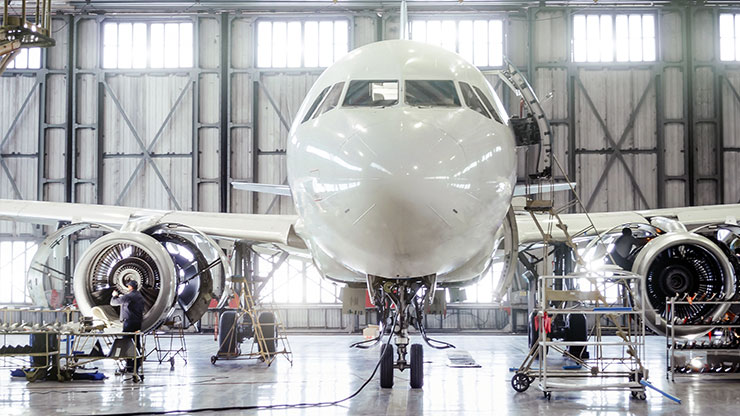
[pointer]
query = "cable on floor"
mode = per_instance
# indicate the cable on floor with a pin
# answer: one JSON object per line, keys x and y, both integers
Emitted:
{"x": 274, "y": 406}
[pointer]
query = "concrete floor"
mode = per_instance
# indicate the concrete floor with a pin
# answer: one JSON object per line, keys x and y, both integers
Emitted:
{"x": 324, "y": 369}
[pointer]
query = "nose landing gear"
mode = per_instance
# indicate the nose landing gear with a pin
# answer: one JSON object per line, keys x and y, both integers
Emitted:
{"x": 404, "y": 298}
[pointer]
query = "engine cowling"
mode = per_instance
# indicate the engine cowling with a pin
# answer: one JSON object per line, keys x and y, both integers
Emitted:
{"x": 680, "y": 263}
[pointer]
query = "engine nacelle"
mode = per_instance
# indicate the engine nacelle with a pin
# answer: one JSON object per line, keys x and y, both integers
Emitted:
{"x": 679, "y": 263}
{"x": 174, "y": 265}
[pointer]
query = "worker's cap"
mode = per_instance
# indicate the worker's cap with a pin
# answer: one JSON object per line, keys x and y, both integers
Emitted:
{"x": 133, "y": 284}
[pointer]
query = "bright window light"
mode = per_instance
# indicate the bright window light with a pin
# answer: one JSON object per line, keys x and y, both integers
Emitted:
{"x": 15, "y": 258}
{"x": 301, "y": 43}
{"x": 296, "y": 282}
{"x": 729, "y": 37}
{"x": 141, "y": 45}
{"x": 479, "y": 41}
{"x": 610, "y": 38}
{"x": 27, "y": 58}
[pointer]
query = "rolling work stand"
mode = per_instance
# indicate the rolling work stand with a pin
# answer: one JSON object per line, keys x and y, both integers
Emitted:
{"x": 594, "y": 362}
{"x": 170, "y": 344}
{"x": 37, "y": 360}
{"x": 706, "y": 356}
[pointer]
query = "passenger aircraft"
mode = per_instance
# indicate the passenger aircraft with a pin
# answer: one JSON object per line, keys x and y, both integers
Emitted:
{"x": 402, "y": 167}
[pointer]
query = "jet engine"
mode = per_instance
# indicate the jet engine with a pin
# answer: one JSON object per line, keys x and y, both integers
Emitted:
{"x": 687, "y": 265}
{"x": 174, "y": 265}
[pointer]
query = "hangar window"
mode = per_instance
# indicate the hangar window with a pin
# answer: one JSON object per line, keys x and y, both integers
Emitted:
{"x": 371, "y": 94}
{"x": 15, "y": 258}
{"x": 480, "y": 41}
{"x": 301, "y": 43}
{"x": 27, "y": 58}
{"x": 132, "y": 45}
{"x": 431, "y": 94}
{"x": 610, "y": 38}
{"x": 729, "y": 37}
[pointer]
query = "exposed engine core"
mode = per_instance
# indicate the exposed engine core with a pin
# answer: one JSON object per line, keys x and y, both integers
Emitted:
{"x": 683, "y": 264}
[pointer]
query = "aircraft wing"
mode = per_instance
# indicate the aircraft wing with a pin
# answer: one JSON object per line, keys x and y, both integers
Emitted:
{"x": 278, "y": 229}
{"x": 519, "y": 190}
{"x": 580, "y": 224}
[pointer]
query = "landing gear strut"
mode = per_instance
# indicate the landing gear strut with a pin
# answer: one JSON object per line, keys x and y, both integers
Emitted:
{"x": 404, "y": 299}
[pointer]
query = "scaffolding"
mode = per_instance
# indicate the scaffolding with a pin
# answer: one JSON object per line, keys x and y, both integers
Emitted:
{"x": 17, "y": 31}
{"x": 603, "y": 358}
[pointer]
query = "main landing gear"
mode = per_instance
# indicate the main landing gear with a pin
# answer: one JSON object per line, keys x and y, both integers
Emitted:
{"x": 401, "y": 301}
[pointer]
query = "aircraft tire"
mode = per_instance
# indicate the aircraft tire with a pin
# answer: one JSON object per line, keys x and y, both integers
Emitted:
{"x": 386, "y": 366}
{"x": 417, "y": 366}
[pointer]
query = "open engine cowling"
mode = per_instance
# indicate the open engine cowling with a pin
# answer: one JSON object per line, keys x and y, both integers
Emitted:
{"x": 174, "y": 265}
{"x": 680, "y": 263}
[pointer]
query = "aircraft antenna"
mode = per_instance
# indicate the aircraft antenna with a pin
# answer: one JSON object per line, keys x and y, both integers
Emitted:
{"x": 404, "y": 30}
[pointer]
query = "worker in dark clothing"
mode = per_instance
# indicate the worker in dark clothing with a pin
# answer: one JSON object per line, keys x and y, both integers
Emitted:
{"x": 132, "y": 315}
{"x": 623, "y": 248}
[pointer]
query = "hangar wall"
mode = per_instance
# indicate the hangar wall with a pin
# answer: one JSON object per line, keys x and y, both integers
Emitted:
{"x": 175, "y": 138}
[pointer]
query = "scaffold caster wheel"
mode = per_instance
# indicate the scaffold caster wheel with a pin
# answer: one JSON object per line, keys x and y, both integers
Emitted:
{"x": 172, "y": 363}
{"x": 548, "y": 395}
{"x": 136, "y": 378}
{"x": 213, "y": 359}
{"x": 520, "y": 382}
{"x": 639, "y": 395}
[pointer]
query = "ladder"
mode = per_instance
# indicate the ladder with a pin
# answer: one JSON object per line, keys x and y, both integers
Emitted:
{"x": 269, "y": 335}
{"x": 517, "y": 82}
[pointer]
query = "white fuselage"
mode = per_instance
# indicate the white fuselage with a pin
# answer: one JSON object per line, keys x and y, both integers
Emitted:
{"x": 401, "y": 188}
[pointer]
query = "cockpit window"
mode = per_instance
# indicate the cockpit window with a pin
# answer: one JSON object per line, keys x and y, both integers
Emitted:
{"x": 471, "y": 100}
{"x": 371, "y": 94}
{"x": 315, "y": 104}
{"x": 431, "y": 93}
{"x": 331, "y": 100}
{"x": 488, "y": 105}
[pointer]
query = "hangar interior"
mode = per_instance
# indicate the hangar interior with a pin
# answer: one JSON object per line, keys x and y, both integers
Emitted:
{"x": 162, "y": 105}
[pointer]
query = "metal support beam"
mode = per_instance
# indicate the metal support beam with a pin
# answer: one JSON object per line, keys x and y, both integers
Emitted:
{"x": 225, "y": 129}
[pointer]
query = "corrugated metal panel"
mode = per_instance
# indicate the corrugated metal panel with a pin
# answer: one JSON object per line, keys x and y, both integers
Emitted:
{"x": 550, "y": 37}
{"x": 87, "y": 44}
{"x": 731, "y": 136}
{"x": 615, "y": 95}
{"x": 56, "y": 57}
{"x": 209, "y": 43}
{"x": 56, "y": 149}
{"x": 704, "y": 34}
{"x": 23, "y": 141}
{"x": 517, "y": 40}
{"x": 671, "y": 36}
{"x": 242, "y": 43}
{"x": 147, "y": 101}
{"x": 86, "y": 164}
{"x": 365, "y": 30}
